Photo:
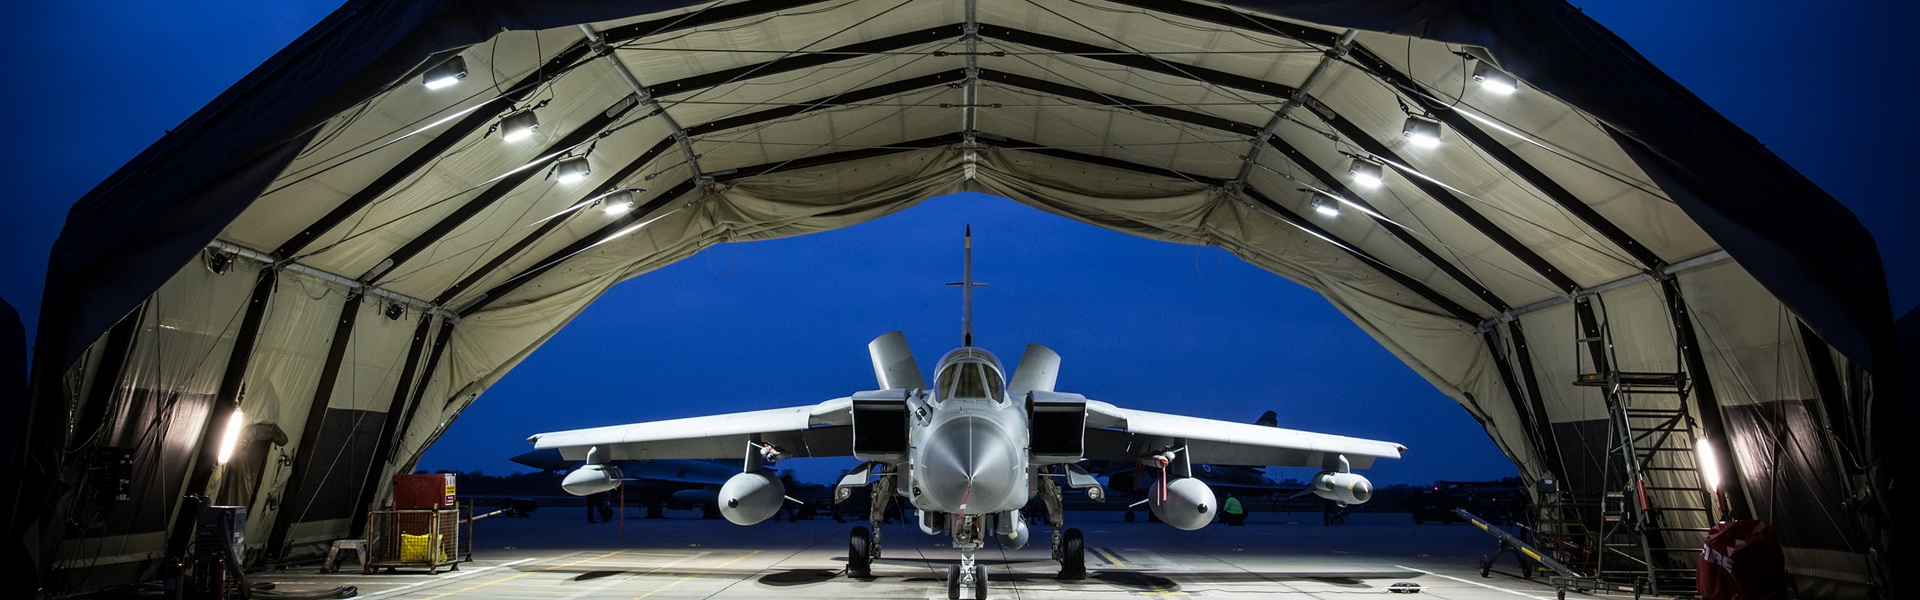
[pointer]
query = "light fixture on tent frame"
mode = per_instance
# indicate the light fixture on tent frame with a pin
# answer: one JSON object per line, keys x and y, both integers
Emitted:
{"x": 230, "y": 437}
{"x": 1323, "y": 203}
{"x": 519, "y": 126}
{"x": 445, "y": 74}
{"x": 618, "y": 202}
{"x": 570, "y": 170}
{"x": 1421, "y": 131}
{"x": 1492, "y": 79}
{"x": 1366, "y": 173}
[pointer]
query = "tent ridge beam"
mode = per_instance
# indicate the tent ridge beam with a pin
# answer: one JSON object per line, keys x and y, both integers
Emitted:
{"x": 599, "y": 45}
{"x": 735, "y": 175}
{"x": 1299, "y": 96}
{"x": 351, "y": 284}
{"x": 1134, "y": 60}
{"x": 712, "y": 15}
{"x": 1108, "y": 100}
{"x": 1236, "y": 19}
{"x": 1095, "y": 159}
{"x": 1663, "y": 273}
{"x": 806, "y": 60}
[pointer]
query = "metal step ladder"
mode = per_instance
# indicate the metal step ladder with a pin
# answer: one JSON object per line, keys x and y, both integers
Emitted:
{"x": 1655, "y": 507}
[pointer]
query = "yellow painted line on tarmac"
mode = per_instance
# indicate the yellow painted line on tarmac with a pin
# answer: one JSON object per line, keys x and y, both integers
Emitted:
{"x": 709, "y": 570}
{"x": 1109, "y": 557}
{"x": 478, "y": 586}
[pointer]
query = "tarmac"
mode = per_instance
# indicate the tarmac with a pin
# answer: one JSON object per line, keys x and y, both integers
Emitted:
{"x": 556, "y": 554}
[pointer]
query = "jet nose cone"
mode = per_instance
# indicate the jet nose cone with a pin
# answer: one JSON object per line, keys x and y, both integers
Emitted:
{"x": 968, "y": 461}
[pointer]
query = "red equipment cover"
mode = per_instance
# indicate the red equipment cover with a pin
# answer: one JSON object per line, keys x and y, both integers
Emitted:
{"x": 423, "y": 491}
{"x": 1741, "y": 560}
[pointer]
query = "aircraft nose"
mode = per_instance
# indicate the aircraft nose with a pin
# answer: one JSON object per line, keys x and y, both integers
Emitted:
{"x": 970, "y": 461}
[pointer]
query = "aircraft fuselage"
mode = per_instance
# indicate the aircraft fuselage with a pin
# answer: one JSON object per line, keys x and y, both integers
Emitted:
{"x": 968, "y": 453}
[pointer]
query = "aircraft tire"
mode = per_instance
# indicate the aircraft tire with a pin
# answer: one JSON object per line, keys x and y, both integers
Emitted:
{"x": 953, "y": 582}
{"x": 979, "y": 582}
{"x": 859, "y": 561}
{"x": 1073, "y": 555}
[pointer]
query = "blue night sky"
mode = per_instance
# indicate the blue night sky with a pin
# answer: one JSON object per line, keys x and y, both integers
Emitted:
{"x": 1139, "y": 323}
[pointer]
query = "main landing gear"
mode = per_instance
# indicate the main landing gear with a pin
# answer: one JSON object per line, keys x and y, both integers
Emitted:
{"x": 1072, "y": 553}
{"x": 863, "y": 545}
{"x": 860, "y": 554}
{"x": 1069, "y": 546}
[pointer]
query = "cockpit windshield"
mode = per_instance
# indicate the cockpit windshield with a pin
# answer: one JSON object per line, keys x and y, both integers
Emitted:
{"x": 970, "y": 380}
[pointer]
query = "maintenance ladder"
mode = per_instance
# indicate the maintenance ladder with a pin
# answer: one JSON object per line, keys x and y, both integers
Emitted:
{"x": 1655, "y": 506}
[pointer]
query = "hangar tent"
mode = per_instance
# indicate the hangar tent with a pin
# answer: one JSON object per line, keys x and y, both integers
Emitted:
{"x": 353, "y": 242}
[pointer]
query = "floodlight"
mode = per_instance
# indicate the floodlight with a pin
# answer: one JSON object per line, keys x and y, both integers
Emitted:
{"x": 1366, "y": 173}
{"x": 231, "y": 437}
{"x": 1326, "y": 205}
{"x": 445, "y": 74}
{"x": 618, "y": 203}
{"x": 1493, "y": 79}
{"x": 1709, "y": 465}
{"x": 1421, "y": 131}
{"x": 519, "y": 126}
{"x": 570, "y": 170}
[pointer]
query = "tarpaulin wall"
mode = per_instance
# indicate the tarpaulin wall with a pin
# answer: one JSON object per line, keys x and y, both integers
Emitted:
{"x": 350, "y": 259}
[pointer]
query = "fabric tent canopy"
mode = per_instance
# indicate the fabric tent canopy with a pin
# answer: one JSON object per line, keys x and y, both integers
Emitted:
{"x": 351, "y": 258}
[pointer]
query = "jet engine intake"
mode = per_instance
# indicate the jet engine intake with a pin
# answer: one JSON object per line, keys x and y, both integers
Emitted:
{"x": 750, "y": 498}
{"x": 1348, "y": 488}
{"x": 1185, "y": 503}
{"x": 591, "y": 479}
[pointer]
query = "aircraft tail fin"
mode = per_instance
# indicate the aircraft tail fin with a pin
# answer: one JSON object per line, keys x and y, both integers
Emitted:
{"x": 893, "y": 363}
{"x": 1039, "y": 369}
{"x": 1268, "y": 419}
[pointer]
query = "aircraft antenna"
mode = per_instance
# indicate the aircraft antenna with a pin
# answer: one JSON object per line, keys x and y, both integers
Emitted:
{"x": 966, "y": 293}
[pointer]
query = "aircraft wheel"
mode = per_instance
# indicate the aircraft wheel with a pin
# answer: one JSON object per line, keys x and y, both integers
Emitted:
{"x": 859, "y": 562}
{"x": 1129, "y": 516}
{"x": 1073, "y": 555}
{"x": 953, "y": 582}
{"x": 979, "y": 582}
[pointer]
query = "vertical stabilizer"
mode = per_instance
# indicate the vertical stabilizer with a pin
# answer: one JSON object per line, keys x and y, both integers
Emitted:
{"x": 966, "y": 293}
{"x": 893, "y": 363}
{"x": 1039, "y": 369}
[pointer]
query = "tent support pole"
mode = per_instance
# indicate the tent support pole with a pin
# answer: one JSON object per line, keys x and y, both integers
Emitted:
{"x": 225, "y": 402}
{"x": 1542, "y": 423}
{"x": 276, "y": 548}
{"x": 369, "y": 487}
{"x": 1707, "y": 403}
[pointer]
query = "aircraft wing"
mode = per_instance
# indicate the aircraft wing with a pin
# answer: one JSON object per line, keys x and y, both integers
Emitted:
{"x": 824, "y": 429}
{"x": 1115, "y": 433}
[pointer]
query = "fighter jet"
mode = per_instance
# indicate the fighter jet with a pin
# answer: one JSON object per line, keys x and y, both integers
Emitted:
{"x": 969, "y": 451}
